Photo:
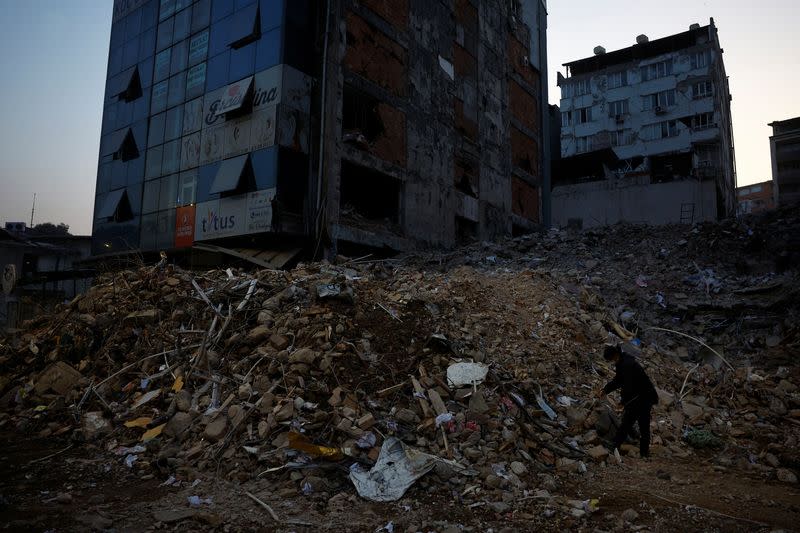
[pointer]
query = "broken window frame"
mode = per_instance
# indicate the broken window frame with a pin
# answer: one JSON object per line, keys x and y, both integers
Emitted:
{"x": 566, "y": 119}
{"x": 248, "y": 18}
{"x": 360, "y": 114}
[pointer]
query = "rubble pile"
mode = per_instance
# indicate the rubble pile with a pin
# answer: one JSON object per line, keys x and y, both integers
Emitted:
{"x": 473, "y": 379}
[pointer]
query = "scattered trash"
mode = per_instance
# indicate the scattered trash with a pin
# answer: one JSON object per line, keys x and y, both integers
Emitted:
{"x": 396, "y": 469}
{"x": 197, "y": 501}
{"x": 461, "y": 374}
{"x": 301, "y": 443}
{"x": 366, "y": 441}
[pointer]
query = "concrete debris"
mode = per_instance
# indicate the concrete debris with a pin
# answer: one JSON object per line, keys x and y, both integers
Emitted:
{"x": 478, "y": 380}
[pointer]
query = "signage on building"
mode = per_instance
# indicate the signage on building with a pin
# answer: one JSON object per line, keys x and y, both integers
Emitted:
{"x": 235, "y": 215}
{"x": 184, "y": 226}
{"x": 233, "y": 97}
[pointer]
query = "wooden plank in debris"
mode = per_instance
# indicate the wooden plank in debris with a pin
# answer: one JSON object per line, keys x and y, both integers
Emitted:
{"x": 420, "y": 395}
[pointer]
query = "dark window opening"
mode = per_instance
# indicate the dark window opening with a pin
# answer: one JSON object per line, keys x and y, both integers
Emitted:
{"x": 245, "y": 26}
{"x": 235, "y": 176}
{"x": 466, "y": 176}
{"x": 361, "y": 121}
{"x": 292, "y": 180}
{"x": 369, "y": 194}
{"x": 670, "y": 168}
{"x": 466, "y": 231}
{"x": 117, "y": 207}
{"x": 127, "y": 149}
{"x": 30, "y": 265}
{"x": 132, "y": 85}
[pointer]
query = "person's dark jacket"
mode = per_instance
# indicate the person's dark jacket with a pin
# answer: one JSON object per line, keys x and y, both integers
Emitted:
{"x": 631, "y": 378}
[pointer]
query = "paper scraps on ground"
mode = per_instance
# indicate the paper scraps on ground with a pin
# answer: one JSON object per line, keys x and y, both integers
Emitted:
{"x": 397, "y": 468}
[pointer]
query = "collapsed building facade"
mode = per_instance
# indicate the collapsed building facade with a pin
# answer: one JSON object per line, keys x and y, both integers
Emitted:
{"x": 267, "y": 127}
{"x": 646, "y": 134}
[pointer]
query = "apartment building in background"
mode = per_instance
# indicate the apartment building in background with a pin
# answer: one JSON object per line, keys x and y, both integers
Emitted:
{"x": 261, "y": 128}
{"x": 755, "y": 198}
{"x": 784, "y": 147}
{"x": 646, "y": 134}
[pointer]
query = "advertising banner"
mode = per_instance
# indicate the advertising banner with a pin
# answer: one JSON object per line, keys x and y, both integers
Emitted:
{"x": 184, "y": 226}
{"x": 236, "y": 215}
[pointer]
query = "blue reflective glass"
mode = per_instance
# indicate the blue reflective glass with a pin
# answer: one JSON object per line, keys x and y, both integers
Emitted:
{"x": 217, "y": 71}
{"x": 269, "y": 50}
{"x": 242, "y": 62}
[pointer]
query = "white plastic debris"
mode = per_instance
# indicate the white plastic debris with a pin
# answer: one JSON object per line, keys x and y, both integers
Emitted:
{"x": 197, "y": 501}
{"x": 462, "y": 374}
{"x": 444, "y": 418}
{"x": 397, "y": 468}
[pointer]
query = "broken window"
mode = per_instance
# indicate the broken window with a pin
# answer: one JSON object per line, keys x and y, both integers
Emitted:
{"x": 618, "y": 79}
{"x": 234, "y": 176}
{"x": 368, "y": 195}
{"x": 656, "y": 70}
{"x": 245, "y": 27}
{"x": 703, "y": 121}
{"x": 466, "y": 231}
{"x": 618, "y": 109}
{"x": 566, "y": 119}
{"x": 466, "y": 176}
{"x": 361, "y": 122}
{"x": 131, "y": 85}
{"x": 124, "y": 145}
{"x": 702, "y": 89}
{"x": 117, "y": 207}
{"x": 670, "y": 167}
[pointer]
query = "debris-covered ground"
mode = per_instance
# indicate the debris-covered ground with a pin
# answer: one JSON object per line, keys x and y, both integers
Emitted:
{"x": 447, "y": 392}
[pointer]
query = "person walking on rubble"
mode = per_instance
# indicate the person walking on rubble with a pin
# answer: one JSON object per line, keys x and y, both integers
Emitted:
{"x": 638, "y": 397}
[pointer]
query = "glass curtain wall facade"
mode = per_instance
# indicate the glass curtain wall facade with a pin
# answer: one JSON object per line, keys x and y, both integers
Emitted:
{"x": 206, "y": 123}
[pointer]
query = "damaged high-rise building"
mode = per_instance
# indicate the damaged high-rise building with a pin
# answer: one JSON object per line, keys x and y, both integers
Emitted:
{"x": 646, "y": 134}
{"x": 259, "y": 128}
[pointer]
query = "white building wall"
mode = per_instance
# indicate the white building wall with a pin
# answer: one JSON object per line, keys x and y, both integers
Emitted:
{"x": 636, "y": 200}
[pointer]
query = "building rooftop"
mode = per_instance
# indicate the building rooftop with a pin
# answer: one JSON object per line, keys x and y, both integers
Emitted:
{"x": 783, "y": 126}
{"x": 638, "y": 52}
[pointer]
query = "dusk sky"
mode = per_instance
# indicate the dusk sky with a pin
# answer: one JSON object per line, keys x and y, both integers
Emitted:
{"x": 55, "y": 52}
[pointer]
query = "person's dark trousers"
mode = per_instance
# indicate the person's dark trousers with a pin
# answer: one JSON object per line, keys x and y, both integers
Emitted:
{"x": 636, "y": 412}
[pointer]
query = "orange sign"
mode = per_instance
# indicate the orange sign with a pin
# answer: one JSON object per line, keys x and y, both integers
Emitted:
{"x": 184, "y": 226}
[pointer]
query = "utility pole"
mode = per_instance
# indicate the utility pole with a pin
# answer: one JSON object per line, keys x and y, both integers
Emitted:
{"x": 33, "y": 208}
